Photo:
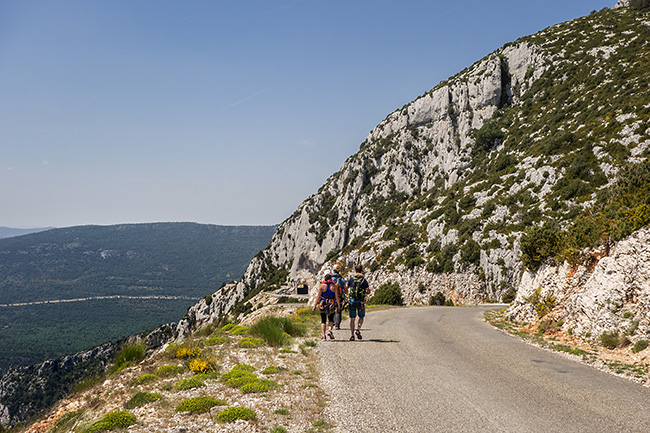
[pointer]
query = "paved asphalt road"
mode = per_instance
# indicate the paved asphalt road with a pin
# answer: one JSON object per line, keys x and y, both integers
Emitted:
{"x": 442, "y": 369}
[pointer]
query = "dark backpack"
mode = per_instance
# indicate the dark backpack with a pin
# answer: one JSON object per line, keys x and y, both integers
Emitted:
{"x": 357, "y": 288}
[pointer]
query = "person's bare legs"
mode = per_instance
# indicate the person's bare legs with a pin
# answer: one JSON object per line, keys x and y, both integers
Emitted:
{"x": 359, "y": 328}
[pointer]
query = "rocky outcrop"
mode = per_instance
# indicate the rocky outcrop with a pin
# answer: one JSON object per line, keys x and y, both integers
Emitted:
{"x": 441, "y": 190}
{"x": 27, "y": 391}
{"x": 443, "y": 119}
{"x": 612, "y": 295}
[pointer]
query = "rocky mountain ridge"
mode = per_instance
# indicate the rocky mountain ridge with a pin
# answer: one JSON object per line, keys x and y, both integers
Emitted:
{"x": 443, "y": 191}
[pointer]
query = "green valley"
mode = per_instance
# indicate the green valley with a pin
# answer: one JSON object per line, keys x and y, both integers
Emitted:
{"x": 124, "y": 279}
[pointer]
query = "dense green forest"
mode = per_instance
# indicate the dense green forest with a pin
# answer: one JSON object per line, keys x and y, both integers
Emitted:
{"x": 183, "y": 260}
{"x": 37, "y": 332}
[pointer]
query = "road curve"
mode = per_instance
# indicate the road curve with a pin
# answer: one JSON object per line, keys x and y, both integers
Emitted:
{"x": 444, "y": 369}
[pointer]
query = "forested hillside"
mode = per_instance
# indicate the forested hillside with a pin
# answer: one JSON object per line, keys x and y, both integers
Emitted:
{"x": 150, "y": 272}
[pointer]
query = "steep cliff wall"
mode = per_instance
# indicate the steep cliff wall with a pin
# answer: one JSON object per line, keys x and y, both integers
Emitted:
{"x": 442, "y": 190}
{"x": 612, "y": 295}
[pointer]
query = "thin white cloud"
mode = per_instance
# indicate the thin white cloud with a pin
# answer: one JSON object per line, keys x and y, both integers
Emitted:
{"x": 452, "y": 10}
{"x": 248, "y": 98}
{"x": 307, "y": 143}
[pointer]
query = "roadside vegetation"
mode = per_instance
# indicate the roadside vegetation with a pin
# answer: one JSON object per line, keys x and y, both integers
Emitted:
{"x": 211, "y": 379}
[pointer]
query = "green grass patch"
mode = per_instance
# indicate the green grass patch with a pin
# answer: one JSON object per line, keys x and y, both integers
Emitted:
{"x": 639, "y": 346}
{"x": 250, "y": 342}
{"x": 169, "y": 370}
{"x": 145, "y": 378}
{"x": 277, "y": 331}
{"x": 66, "y": 423}
{"x": 238, "y": 375}
{"x": 633, "y": 370}
{"x": 199, "y": 404}
{"x": 570, "y": 350}
{"x": 610, "y": 340}
{"x": 215, "y": 340}
{"x": 232, "y": 414}
{"x": 128, "y": 355}
{"x": 320, "y": 426}
{"x": 235, "y": 329}
{"x": 142, "y": 398}
{"x": 271, "y": 370}
{"x": 190, "y": 383}
{"x": 242, "y": 377}
{"x": 259, "y": 385}
{"x": 111, "y": 421}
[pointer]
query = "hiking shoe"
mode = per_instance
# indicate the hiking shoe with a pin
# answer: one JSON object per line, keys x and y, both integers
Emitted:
{"x": 330, "y": 334}
{"x": 359, "y": 334}
{"x": 352, "y": 338}
{"x": 323, "y": 338}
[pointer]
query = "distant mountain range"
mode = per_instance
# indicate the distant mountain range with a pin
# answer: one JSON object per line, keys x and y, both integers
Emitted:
{"x": 8, "y": 232}
{"x": 66, "y": 290}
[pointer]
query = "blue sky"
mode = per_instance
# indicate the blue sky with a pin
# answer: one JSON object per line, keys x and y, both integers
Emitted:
{"x": 222, "y": 112}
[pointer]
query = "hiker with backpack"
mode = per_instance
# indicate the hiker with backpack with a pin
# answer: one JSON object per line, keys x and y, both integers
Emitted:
{"x": 340, "y": 286}
{"x": 358, "y": 289}
{"x": 325, "y": 300}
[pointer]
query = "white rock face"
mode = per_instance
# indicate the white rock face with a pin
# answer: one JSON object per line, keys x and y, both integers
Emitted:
{"x": 421, "y": 151}
{"x": 593, "y": 301}
{"x": 473, "y": 100}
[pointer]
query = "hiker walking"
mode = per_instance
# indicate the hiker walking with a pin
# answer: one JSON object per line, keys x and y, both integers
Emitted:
{"x": 325, "y": 300}
{"x": 341, "y": 288}
{"x": 358, "y": 289}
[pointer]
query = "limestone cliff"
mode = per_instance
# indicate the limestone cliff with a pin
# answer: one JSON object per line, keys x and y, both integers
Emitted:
{"x": 442, "y": 190}
{"x": 611, "y": 296}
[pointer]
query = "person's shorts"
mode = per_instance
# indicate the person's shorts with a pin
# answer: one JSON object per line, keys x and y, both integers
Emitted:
{"x": 357, "y": 309}
{"x": 325, "y": 316}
